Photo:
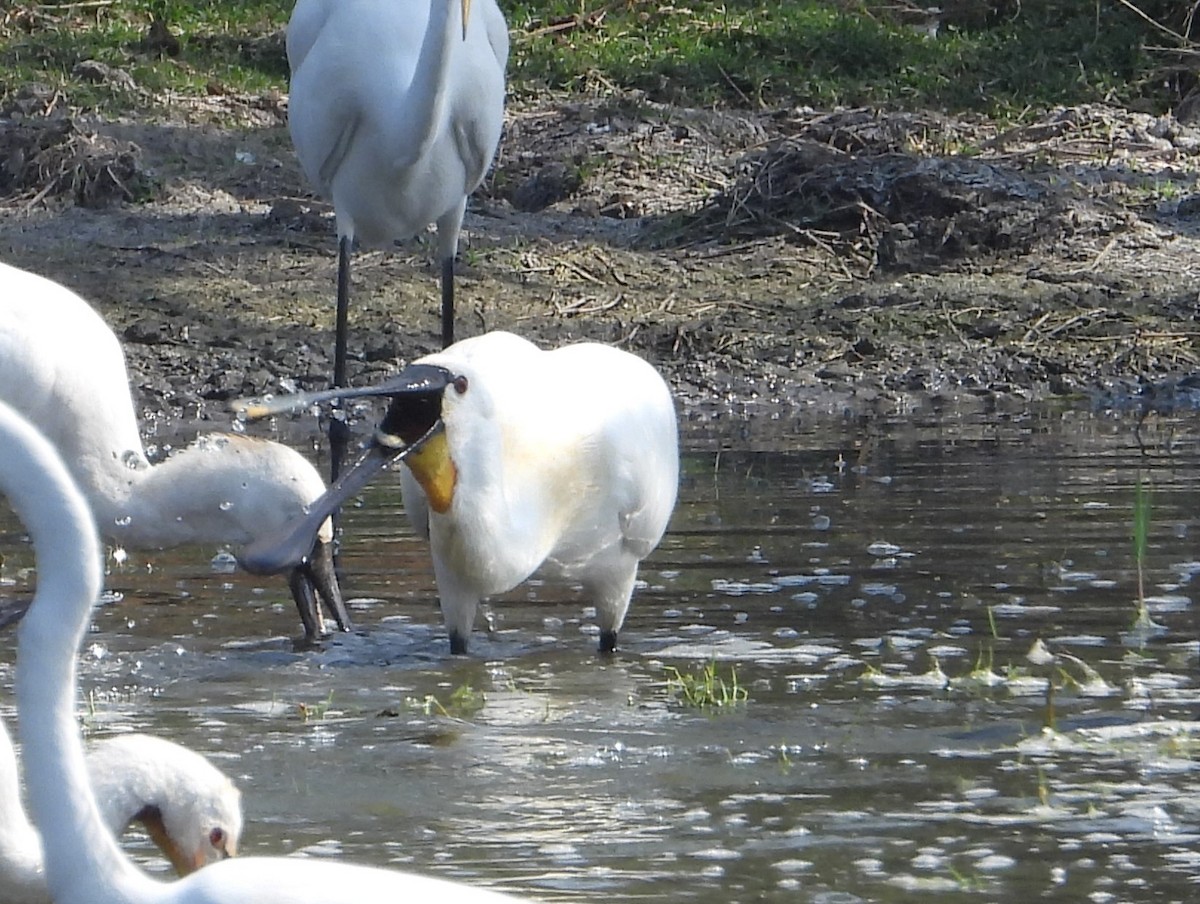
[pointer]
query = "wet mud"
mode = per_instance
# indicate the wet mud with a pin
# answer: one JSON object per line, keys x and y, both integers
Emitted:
{"x": 841, "y": 262}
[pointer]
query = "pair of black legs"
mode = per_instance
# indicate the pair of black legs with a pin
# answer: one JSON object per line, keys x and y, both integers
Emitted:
{"x": 339, "y": 431}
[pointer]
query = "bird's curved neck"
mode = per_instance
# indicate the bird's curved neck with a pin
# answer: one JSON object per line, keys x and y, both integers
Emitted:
{"x": 20, "y": 845}
{"x": 430, "y": 84}
{"x": 153, "y": 510}
{"x": 82, "y": 859}
{"x": 195, "y": 496}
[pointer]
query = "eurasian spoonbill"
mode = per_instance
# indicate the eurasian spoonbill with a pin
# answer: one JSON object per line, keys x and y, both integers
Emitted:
{"x": 64, "y": 369}
{"x": 518, "y": 460}
{"x": 189, "y": 808}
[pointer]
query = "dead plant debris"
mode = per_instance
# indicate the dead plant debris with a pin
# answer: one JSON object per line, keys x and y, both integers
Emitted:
{"x": 55, "y": 158}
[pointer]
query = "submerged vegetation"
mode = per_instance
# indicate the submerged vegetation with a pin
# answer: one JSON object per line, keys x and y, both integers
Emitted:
{"x": 990, "y": 56}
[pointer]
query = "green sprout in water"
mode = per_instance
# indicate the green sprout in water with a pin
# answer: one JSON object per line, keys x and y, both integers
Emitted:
{"x": 464, "y": 702}
{"x": 1141, "y": 530}
{"x": 314, "y": 712}
{"x": 706, "y": 688}
{"x": 1143, "y": 624}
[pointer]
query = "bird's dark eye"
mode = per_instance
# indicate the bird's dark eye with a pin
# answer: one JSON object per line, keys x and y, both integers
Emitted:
{"x": 217, "y": 838}
{"x": 460, "y": 384}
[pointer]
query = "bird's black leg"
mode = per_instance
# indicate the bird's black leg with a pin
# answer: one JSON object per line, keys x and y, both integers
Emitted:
{"x": 339, "y": 431}
{"x": 447, "y": 301}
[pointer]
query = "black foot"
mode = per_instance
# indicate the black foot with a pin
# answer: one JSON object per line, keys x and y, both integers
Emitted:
{"x": 608, "y": 641}
{"x": 458, "y": 644}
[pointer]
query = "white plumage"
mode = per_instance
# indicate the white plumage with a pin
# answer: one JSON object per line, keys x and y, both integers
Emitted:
{"x": 84, "y": 865}
{"x": 518, "y": 460}
{"x": 395, "y": 111}
{"x": 567, "y": 461}
{"x": 188, "y": 807}
{"x": 64, "y": 369}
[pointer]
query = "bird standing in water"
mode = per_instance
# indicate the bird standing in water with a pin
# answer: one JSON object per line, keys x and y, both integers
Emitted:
{"x": 518, "y": 460}
{"x": 64, "y": 369}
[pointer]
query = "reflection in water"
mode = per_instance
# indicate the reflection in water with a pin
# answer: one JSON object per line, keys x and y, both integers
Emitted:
{"x": 878, "y": 588}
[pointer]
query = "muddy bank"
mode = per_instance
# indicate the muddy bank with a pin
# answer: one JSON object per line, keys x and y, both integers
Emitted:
{"x": 832, "y": 262}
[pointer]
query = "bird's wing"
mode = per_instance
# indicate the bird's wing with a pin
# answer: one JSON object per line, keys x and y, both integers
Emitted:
{"x": 646, "y": 486}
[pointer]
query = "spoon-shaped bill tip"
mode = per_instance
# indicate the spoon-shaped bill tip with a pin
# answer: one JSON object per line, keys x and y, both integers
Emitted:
{"x": 416, "y": 379}
{"x": 293, "y": 546}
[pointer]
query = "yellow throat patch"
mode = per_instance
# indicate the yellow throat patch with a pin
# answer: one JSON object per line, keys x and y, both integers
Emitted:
{"x": 435, "y": 472}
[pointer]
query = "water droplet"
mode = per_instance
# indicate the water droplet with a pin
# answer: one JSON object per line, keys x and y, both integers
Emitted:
{"x": 238, "y": 426}
{"x": 119, "y": 555}
{"x": 883, "y": 548}
{"x": 225, "y": 506}
{"x": 123, "y": 521}
{"x": 224, "y": 562}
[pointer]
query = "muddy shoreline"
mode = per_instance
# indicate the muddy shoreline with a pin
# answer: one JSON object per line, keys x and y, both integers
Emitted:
{"x": 822, "y": 262}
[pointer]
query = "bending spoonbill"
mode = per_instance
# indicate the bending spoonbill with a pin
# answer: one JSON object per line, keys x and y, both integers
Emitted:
{"x": 63, "y": 368}
{"x": 190, "y": 809}
{"x": 518, "y": 459}
{"x": 84, "y": 865}
{"x": 395, "y": 111}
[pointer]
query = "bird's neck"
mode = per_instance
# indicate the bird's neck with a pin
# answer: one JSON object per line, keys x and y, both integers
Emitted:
{"x": 213, "y": 491}
{"x": 174, "y": 502}
{"x": 20, "y": 844}
{"x": 121, "y": 794}
{"x": 82, "y": 860}
{"x": 431, "y": 79}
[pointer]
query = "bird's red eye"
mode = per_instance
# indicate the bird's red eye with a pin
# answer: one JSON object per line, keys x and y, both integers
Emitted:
{"x": 460, "y": 384}
{"x": 217, "y": 838}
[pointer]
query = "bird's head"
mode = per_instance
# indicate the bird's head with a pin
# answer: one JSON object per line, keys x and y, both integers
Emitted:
{"x": 195, "y": 841}
{"x": 261, "y": 485}
{"x": 190, "y": 809}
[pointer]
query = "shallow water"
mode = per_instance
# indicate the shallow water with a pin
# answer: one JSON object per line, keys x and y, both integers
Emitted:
{"x": 877, "y": 588}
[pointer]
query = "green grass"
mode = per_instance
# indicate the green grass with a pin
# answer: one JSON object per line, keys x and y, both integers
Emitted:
{"x": 314, "y": 712}
{"x": 224, "y": 46}
{"x": 827, "y": 53}
{"x": 1005, "y": 58}
{"x": 463, "y": 703}
{"x": 706, "y": 687}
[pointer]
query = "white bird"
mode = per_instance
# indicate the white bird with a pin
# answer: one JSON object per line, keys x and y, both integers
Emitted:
{"x": 189, "y": 808}
{"x": 83, "y": 862}
{"x": 64, "y": 369}
{"x": 518, "y": 459}
{"x": 395, "y": 111}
